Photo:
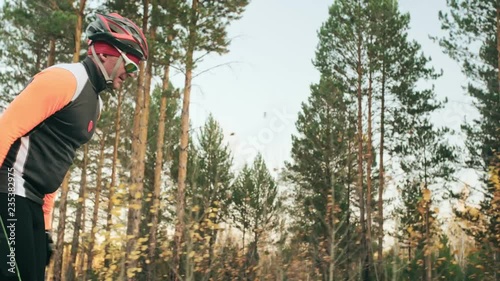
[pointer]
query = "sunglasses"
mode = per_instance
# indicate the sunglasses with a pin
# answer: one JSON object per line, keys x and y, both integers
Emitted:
{"x": 130, "y": 66}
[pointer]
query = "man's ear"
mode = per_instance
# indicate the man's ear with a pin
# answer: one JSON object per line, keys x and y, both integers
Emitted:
{"x": 102, "y": 57}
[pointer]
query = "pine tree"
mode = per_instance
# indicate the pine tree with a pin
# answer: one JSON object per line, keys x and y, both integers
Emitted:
{"x": 477, "y": 23}
{"x": 447, "y": 267}
{"x": 101, "y": 144}
{"x": 206, "y": 32}
{"x": 207, "y": 198}
{"x": 322, "y": 173}
{"x": 165, "y": 14}
{"x": 32, "y": 33}
{"x": 154, "y": 206}
{"x": 426, "y": 160}
{"x": 58, "y": 255}
{"x": 255, "y": 207}
{"x": 95, "y": 212}
{"x": 342, "y": 55}
{"x": 79, "y": 219}
{"x": 387, "y": 39}
{"x": 113, "y": 183}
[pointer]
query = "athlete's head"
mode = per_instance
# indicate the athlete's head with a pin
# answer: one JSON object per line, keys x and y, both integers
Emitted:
{"x": 117, "y": 45}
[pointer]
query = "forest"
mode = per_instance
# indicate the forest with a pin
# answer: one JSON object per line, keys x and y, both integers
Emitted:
{"x": 152, "y": 198}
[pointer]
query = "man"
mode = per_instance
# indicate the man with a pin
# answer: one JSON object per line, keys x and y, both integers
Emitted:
{"x": 41, "y": 130}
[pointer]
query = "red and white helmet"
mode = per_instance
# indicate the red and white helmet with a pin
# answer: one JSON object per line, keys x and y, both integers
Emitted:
{"x": 120, "y": 32}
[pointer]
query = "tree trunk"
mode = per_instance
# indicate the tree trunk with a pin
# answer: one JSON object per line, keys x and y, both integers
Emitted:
{"x": 369, "y": 163}
{"x": 52, "y": 52}
{"x": 184, "y": 141}
{"x": 427, "y": 248}
{"x": 61, "y": 228}
{"x": 144, "y": 138}
{"x": 95, "y": 217}
{"x": 396, "y": 254}
{"x": 211, "y": 247}
{"x": 381, "y": 172}
{"x": 78, "y": 30}
{"x": 245, "y": 269}
{"x": 157, "y": 174}
{"x": 364, "y": 248}
{"x": 139, "y": 144}
{"x": 498, "y": 47}
{"x": 496, "y": 253}
{"x": 112, "y": 186}
{"x": 52, "y": 41}
{"x": 188, "y": 272}
{"x": 112, "y": 197}
{"x": 83, "y": 242}
{"x": 80, "y": 206}
{"x": 427, "y": 251}
{"x": 160, "y": 138}
{"x": 136, "y": 176}
{"x": 331, "y": 270}
{"x": 409, "y": 246}
{"x": 80, "y": 271}
{"x": 348, "y": 215}
{"x": 38, "y": 63}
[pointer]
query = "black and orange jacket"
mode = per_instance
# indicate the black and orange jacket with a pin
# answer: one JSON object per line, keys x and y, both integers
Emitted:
{"x": 42, "y": 128}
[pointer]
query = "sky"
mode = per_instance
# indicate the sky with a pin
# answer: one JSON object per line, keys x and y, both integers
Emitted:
{"x": 257, "y": 94}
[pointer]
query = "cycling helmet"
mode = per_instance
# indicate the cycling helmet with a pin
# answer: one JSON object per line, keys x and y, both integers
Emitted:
{"x": 120, "y": 32}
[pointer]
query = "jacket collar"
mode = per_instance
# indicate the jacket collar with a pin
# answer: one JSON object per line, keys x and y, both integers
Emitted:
{"x": 95, "y": 76}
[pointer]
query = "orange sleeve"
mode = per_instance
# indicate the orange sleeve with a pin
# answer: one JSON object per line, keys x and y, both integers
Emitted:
{"x": 49, "y": 91}
{"x": 48, "y": 207}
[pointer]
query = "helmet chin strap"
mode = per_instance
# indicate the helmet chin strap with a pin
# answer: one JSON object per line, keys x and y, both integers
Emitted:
{"x": 109, "y": 79}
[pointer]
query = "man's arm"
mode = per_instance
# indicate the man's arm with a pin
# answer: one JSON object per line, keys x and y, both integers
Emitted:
{"x": 48, "y": 207}
{"x": 49, "y": 92}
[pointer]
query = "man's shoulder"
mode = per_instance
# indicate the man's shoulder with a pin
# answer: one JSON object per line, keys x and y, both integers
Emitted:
{"x": 65, "y": 74}
{"x": 76, "y": 68}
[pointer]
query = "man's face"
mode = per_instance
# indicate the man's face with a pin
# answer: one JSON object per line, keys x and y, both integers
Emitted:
{"x": 109, "y": 63}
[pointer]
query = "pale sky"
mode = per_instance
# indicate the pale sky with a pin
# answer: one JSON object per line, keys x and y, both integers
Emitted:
{"x": 258, "y": 96}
